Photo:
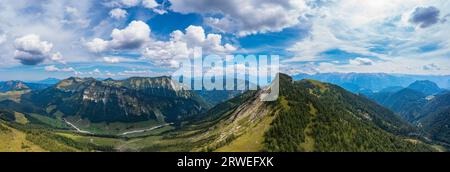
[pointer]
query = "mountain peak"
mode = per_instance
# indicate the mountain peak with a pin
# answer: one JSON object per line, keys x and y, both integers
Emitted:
{"x": 13, "y": 86}
{"x": 425, "y": 86}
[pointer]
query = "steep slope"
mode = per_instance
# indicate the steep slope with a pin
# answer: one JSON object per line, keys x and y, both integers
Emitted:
{"x": 435, "y": 118}
{"x": 131, "y": 100}
{"x": 308, "y": 116}
{"x": 408, "y": 102}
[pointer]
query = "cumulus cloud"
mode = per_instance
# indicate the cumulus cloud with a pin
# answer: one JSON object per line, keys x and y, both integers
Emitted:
{"x": 97, "y": 45}
{"x": 118, "y": 13}
{"x": 150, "y": 4}
{"x": 30, "y": 50}
{"x": 361, "y": 61}
{"x": 32, "y": 44}
{"x": 154, "y": 6}
{"x": 182, "y": 44}
{"x": 425, "y": 16}
{"x": 164, "y": 53}
{"x": 245, "y": 17}
{"x": 134, "y": 36}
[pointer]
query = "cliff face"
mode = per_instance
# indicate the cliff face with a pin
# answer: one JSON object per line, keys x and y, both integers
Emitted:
{"x": 131, "y": 100}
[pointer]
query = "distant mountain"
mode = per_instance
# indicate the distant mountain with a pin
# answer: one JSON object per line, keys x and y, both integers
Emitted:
{"x": 426, "y": 87}
{"x": 422, "y": 103}
{"x": 13, "y": 86}
{"x": 308, "y": 116}
{"x": 373, "y": 81}
{"x": 48, "y": 81}
{"x": 407, "y": 102}
{"x": 131, "y": 100}
{"x": 6, "y": 86}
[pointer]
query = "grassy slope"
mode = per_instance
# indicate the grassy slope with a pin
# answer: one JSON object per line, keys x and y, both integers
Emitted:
{"x": 23, "y": 135}
{"x": 12, "y": 140}
{"x": 12, "y": 95}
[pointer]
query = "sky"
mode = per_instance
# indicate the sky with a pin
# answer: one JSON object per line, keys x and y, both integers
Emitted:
{"x": 124, "y": 38}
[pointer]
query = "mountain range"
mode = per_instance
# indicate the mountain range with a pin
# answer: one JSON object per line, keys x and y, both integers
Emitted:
{"x": 422, "y": 103}
{"x": 149, "y": 114}
{"x": 362, "y": 82}
{"x": 6, "y": 86}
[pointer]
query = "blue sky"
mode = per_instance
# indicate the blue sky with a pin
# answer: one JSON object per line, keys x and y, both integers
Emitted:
{"x": 123, "y": 38}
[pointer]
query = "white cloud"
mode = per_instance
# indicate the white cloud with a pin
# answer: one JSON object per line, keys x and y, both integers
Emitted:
{"x": 150, "y": 4}
{"x": 95, "y": 72}
{"x": 111, "y": 59}
{"x": 380, "y": 29}
{"x": 57, "y": 57}
{"x": 143, "y": 73}
{"x": 122, "y": 3}
{"x": 361, "y": 61}
{"x": 30, "y": 50}
{"x": 53, "y": 68}
{"x": 74, "y": 17}
{"x": 181, "y": 46}
{"x": 245, "y": 17}
{"x": 130, "y": 3}
{"x": 118, "y": 13}
{"x": 134, "y": 36}
{"x": 97, "y": 45}
{"x": 109, "y": 74}
{"x": 32, "y": 44}
{"x": 154, "y": 6}
{"x": 163, "y": 53}
{"x": 61, "y": 23}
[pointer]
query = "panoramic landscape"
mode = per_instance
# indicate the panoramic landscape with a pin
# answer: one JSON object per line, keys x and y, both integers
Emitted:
{"x": 224, "y": 76}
